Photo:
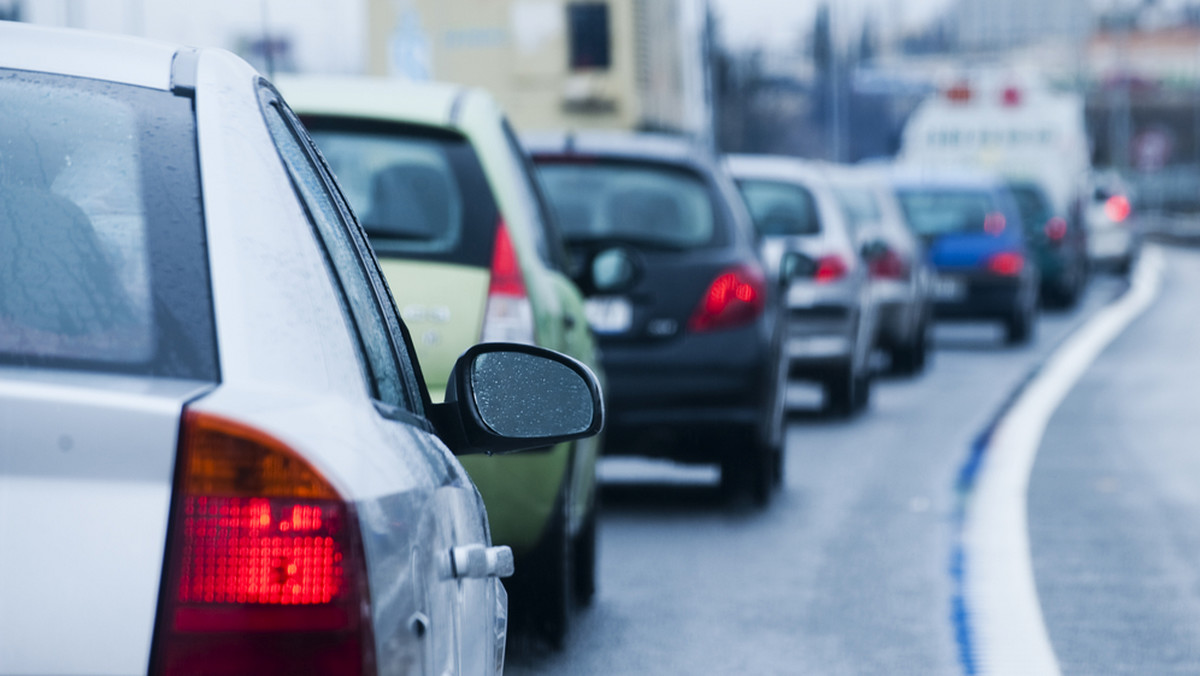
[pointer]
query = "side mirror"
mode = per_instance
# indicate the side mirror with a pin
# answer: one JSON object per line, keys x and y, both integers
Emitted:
{"x": 795, "y": 265}
{"x": 873, "y": 250}
{"x": 505, "y": 397}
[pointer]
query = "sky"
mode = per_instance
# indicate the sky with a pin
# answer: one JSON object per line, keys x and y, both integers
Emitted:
{"x": 779, "y": 24}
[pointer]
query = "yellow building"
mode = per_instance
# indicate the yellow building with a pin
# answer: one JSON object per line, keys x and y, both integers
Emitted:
{"x": 557, "y": 64}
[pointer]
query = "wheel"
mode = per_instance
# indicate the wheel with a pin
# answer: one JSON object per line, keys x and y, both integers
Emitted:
{"x": 749, "y": 469}
{"x": 1019, "y": 327}
{"x": 585, "y": 560}
{"x": 910, "y": 359}
{"x": 540, "y": 596}
{"x": 841, "y": 392}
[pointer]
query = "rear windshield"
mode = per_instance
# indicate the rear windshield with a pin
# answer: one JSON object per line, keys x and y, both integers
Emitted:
{"x": 646, "y": 204}
{"x": 859, "y": 205}
{"x": 934, "y": 211}
{"x": 103, "y": 264}
{"x": 781, "y": 208}
{"x": 419, "y": 192}
{"x": 1032, "y": 203}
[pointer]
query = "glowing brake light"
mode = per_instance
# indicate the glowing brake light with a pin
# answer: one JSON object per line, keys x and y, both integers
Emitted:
{"x": 1117, "y": 208}
{"x": 1006, "y": 264}
{"x": 264, "y": 572}
{"x": 994, "y": 223}
{"x": 1011, "y": 97}
{"x": 889, "y": 266}
{"x": 509, "y": 313}
{"x": 736, "y": 297}
{"x": 1056, "y": 229}
{"x": 959, "y": 93}
{"x": 829, "y": 269}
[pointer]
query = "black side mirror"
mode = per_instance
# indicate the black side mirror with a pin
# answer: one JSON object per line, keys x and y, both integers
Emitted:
{"x": 873, "y": 250}
{"x": 795, "y": 265}
{"x": 505, "y": 397}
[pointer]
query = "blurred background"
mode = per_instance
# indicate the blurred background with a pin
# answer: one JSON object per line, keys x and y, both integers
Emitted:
{"x": 830, "y": 80}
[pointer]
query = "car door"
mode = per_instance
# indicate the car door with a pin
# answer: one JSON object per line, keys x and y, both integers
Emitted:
{"x": 458, "y": 619}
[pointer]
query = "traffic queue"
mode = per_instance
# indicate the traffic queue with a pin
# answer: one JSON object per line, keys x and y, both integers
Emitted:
{"x": 340, "y": 302}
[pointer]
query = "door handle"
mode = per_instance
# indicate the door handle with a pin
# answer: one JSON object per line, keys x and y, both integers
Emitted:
{"x": 569, "y": 321}
{"x": 477, "y": 561}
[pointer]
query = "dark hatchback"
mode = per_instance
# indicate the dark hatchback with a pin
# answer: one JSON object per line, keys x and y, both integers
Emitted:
{"x": 684, "y": 313}
{"x": 1057, "y": 240}
{"x": 974, "y": 237}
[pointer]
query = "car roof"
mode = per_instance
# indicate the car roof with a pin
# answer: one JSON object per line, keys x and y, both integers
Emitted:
{"x": 963, "y": 178}
{"x": 779, "y": 167}
{"x": 620, "y": 145}
{"x": 114, "y": 58}
{"x": 390, "y": 99}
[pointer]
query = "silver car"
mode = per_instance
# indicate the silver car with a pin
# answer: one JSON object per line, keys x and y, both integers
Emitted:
{"x": 901, "y": 277}
{"x": 810, "y": 244}
{"x": 217, "y": 454}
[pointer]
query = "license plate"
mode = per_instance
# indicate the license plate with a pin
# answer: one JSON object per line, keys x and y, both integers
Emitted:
{"x": 609, "y": 314}
{"x": 801, "y": 295}
{"x": 949, "y": 288}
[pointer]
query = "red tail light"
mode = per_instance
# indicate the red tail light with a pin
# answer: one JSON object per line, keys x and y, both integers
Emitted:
{"x": 1006, "y": 264}
{"x": 1011, "y": 97}
{"x": 265, "y": 572}
{"x": 1056, "y": 229}
{"x": 994, "y": 223}
{"x": 1117, "y": 208}
{"x": 959, "y": 93}
{"x": 830, "y": 269}
{"x": 889, "y": 266}
{"x": 509, "y": 313}
{"x": 736, "y": 297}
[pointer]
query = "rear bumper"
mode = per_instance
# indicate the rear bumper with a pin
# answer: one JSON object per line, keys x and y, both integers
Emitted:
{"x": 986, "y": 298}
{"x": 689, "y": 398}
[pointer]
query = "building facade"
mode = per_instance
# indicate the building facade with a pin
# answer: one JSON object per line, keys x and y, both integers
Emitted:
{"x": 558, "y": 64}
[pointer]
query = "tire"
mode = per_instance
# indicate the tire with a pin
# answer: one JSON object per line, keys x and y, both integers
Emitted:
{"x": 841, "y": 392}
{"x": 585, "y": 561}
{"x": 910, "y": 359}
{"x": 1019, "y": 327}
{"x": 749, "y": 470}
{"x": 541, "y": 596}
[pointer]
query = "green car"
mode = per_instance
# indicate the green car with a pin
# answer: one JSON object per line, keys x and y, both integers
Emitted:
{"x": 444, "y": 191}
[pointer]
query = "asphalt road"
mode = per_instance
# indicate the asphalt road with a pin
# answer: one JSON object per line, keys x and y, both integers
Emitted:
{"x": 848, "y": 570}
{"x": 1114, "y": 500}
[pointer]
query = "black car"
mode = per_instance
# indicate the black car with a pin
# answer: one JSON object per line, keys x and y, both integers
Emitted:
{"x": 1057, "y": 240}
{"x": 685, "y": 316}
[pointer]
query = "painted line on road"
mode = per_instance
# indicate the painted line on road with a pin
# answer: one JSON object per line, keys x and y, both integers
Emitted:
{"x": 996, "y": 612}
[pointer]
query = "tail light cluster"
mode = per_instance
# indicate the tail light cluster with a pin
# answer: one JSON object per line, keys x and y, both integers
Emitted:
{"x": 1117, "y": 208}
{"x": 736, "y": 297}
{"x": 265, "y": 572}
{"x": 888, "y": 265}
{"x": 1006, "y": 263}
{"x": 1056, "y": 229}
{"x": 509, "y": 313}
{"x": 829, "y": 269}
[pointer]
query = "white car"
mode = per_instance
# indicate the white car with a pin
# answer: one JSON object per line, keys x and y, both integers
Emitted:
{"x": 1113, "y": 234}
{"x": 217, "y": 453}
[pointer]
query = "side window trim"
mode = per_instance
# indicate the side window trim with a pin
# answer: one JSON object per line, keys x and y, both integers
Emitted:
{"x": 414, "y": 393}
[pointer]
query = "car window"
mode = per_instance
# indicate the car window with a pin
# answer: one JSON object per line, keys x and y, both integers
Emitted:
{"x": 934, "y": 211}
{"x": 859, "y": 205}
{"x": 419, "y": 192}
{"x": 644, "y": 203}
{"x": 780, "y": 208}
{"x": 103, "y": 263}
{"x": 387, "y": 361}
{"x": 1032, "y": 203}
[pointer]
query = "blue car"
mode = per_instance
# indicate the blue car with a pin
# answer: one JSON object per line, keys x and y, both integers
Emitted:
{"x": 975, "y": 240}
